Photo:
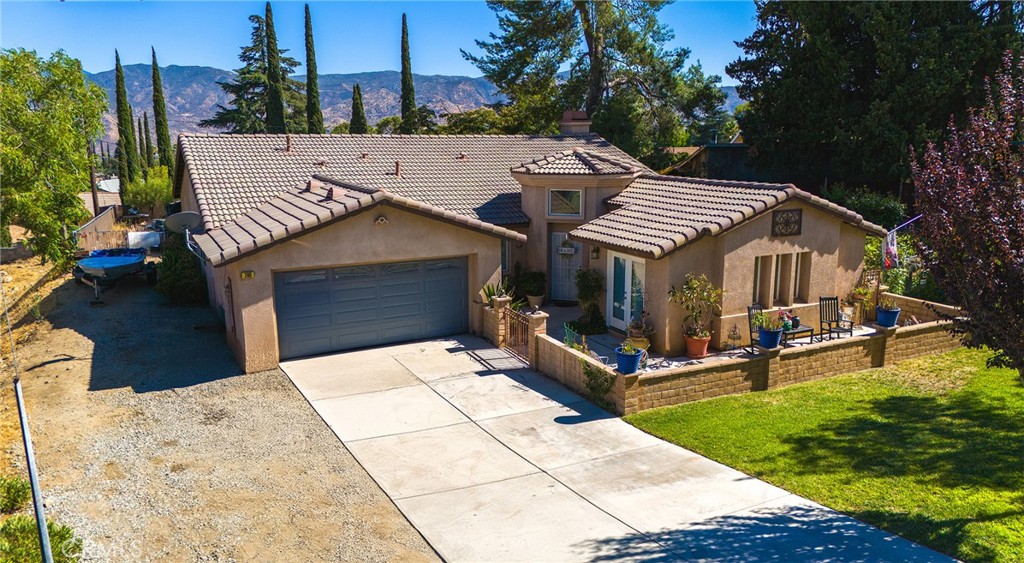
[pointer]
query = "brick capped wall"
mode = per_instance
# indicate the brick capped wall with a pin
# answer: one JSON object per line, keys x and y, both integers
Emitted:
{"x": 923, "y": 311}
{"x": 772, "y": 368}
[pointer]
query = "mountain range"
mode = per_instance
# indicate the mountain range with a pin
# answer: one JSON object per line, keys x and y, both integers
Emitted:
{"x": 193, "y": 94}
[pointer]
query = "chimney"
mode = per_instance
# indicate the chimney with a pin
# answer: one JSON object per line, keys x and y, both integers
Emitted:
{"x": 574, "y": 123}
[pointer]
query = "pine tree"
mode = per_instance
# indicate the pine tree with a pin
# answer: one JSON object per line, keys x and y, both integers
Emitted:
{"x": 314, "y": 117}
{"x": 275, "y": 92}
{"x": 358, "y": 122}
{"x": 163, "y": 136}
{"x": 127, "y": 165}
{"x": 410, "y": 115}
{"x": 149, "y": 142}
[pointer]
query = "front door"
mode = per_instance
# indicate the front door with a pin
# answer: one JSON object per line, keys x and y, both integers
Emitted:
{"x": 566, "y": 260}
{"x": 625, "y": 289}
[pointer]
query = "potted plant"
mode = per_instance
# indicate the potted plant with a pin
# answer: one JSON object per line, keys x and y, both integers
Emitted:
{"x": 701, "y": 301}
{"x": 769, "y": 329}
{"x": 638, "y": 331}
{"x": 887, "y": 313}
{"x": 792, "y": 317}
{"x": 533, "y": 284}
{"x": 628, "y": 357}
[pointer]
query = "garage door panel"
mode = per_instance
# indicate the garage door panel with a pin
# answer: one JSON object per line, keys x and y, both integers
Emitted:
{"x": 321, "y": 311}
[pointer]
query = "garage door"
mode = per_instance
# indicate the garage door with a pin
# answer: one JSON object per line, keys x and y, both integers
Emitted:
{"x": 334, "y": 309}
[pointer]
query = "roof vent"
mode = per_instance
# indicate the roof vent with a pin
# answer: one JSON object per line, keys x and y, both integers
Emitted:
{"x": 321, "y": 163}
{"x": 364, "y": 156}
{"x": 398, "y": 168}
{"x": 288, "y": 143}
{"x": 461, "y": 156}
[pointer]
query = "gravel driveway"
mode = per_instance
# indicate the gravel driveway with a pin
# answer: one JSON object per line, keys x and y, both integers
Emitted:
{"x": 154, "y": 446}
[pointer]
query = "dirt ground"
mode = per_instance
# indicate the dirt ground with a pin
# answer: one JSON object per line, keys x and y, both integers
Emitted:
{"x": 152, "y": 445}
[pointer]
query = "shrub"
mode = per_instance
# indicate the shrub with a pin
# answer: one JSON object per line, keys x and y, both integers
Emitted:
{"x": 180, "y": 277}
{"x": 19, "y": 541}
{"x": 15, "y": 493}
{"x": 150, "y": 194}
{"x": 882, "y": 209}
{"x": 599, "y": 384}
{"x": 589, "y": 285}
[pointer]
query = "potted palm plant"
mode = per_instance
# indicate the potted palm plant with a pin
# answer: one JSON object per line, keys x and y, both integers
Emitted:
{"x": 769, "y": 329}
{"x": 887, "y": 313}
{"x": 701, "y": 301}
{"x": 533, "y": 284}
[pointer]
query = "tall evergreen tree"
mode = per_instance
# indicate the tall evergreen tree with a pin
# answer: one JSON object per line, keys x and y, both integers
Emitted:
{"x": 248, "y": 109}
{"x": 140, "y": 142}
{"x": 275, "y": 90}
{"x": 314, "y": 117}
{"x": 839, "y": 90}
{"x": 410, "y": 115}
{"x": 149, "y": 142}
{"x": 128, "y": 164}
{"x": 358, "y": 122}
{"x": 163, "y": 136}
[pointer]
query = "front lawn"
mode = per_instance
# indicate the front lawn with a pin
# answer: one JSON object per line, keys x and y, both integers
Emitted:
{"x": 931, "y": 449}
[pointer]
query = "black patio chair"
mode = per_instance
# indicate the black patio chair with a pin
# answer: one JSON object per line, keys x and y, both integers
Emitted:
{"x": 751, "y": 312}
{"x": 832, "y": 321}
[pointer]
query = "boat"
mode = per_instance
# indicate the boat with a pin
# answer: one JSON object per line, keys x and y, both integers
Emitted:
{"x": 111, "y": 264}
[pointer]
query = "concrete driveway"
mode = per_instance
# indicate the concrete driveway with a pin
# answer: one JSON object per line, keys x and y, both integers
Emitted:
{"x": 491, "y": 461}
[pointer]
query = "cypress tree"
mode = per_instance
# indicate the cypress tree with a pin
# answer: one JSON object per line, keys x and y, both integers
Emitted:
{"x": 163, "y": 136}
{"x": 149, "y": 142}
{"x": 409, "y": 114}
{"x": 358, "y": 122}
{"x": 275, "y": 90}
{"x": 314, "y": 117}
{"x": 141, "y": 143}
{"x": 127, "y": 160}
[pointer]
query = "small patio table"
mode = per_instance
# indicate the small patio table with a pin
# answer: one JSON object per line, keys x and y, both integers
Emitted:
{"x": 798, "y": 332}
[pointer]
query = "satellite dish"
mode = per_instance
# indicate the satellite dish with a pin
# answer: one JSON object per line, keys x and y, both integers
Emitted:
{"x": 186, "y": 220}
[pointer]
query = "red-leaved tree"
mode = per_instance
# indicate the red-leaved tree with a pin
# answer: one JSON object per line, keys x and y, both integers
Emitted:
{"x": 971, "y": 194}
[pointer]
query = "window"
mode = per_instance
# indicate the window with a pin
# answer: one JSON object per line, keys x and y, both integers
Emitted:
{"x": 565, "y": 202}
{"x": 504, "y": 255}
{"x": 757, "y": 280}
{"x": 777, "y": 279}
{"x": 801, "y": 276}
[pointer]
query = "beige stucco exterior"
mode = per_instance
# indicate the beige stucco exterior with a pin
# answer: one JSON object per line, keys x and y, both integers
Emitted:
{"x": 833, "y": 254}
{"x": 248, "y": 306}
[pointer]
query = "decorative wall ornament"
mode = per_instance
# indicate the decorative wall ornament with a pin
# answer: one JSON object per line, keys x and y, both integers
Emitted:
{"x": 787, "y": 222}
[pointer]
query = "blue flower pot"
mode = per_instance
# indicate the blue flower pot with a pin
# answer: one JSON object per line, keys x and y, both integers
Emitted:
{"x": 769, "y": 338}
{"x": 627, "y": 363}
{"x": 886, "y": 318}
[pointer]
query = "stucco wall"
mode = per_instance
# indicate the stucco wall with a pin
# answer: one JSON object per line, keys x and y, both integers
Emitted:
{"x": 355, "y": 240}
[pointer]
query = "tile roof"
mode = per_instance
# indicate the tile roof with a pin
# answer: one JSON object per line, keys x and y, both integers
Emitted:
{"x": 465, "y": 174}
{"x": 660, "y": 214}
{"x": 297, "y": 210}
{"x": 576, "y": 161}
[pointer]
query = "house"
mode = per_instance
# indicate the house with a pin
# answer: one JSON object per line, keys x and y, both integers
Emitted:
{"x": 318, "y": 243}
{"x": 717, "y": 160}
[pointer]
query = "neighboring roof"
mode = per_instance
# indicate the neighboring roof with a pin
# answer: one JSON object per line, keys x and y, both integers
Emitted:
{"x": 465, "y": 174}
{"x": 109, "y": 185}
{"x": 661, "y": 214}
{"x": 106, "y": 199}
{"x": 295, "y": 211}
{"x": 576, "y": 162}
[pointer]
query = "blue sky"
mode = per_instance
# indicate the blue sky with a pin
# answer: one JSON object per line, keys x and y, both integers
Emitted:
{"x": 350, "y": 36}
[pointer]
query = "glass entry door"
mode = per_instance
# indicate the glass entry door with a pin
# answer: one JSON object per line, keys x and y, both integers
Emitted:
{"x": 625, "y": 289}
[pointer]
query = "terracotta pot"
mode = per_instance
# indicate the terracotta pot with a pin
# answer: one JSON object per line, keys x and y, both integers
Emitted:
{"x": 639, "y": 342}
{"x": 697, "y": 348}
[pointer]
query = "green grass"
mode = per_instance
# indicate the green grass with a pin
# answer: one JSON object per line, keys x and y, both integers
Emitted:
{"x": 931, "y": 449}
